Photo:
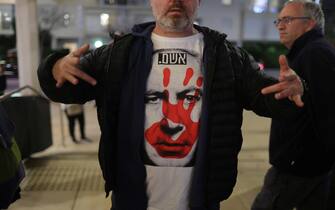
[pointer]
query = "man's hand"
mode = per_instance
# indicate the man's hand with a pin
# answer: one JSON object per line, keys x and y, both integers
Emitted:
{"x": 289, "y": 86}
{"x": 66, "y": 68}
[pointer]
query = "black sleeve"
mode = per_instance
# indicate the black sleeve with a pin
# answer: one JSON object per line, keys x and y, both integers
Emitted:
{"x": 250, "y": 82}
{"x": 92, "y": 63}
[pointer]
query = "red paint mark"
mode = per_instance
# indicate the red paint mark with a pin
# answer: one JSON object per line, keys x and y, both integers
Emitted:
{"x": 179, "y": 114}
{"x": 166, "y": 77}
{"x": 200, "y": 81}
{"x": 188, "y": 76}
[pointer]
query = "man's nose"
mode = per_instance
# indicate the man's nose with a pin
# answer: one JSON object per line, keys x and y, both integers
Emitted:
{"x": 177, "y": 1}
{"x": 280, "y": 26}
{"x": 171, "y": 128}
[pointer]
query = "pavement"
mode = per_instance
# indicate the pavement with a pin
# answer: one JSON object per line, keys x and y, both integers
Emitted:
{"x": 67, "y": 176}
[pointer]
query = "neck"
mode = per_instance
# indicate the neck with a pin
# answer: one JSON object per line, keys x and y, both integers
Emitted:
{"x": 189, "y": 31}
{"x": 288, "y": 46}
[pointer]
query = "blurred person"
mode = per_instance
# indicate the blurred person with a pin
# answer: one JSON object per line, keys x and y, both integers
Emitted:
{"x": 12, "y": 171}
{"x": 170, "y": 97}
{"x": 302, "y": 150}
{"x": 75, "y": 112}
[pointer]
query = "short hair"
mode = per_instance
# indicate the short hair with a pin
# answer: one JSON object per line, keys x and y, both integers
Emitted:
{"x": 311, "y": 10}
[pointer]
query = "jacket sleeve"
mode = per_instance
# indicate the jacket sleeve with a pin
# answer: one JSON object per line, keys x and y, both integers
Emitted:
{"x": 92, "y": 63}
{"x": 250, "y": 82}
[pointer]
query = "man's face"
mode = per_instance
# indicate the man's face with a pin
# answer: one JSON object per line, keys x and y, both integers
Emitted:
{"x": 174, "y": 15}
{"x": 288, "y": 33}
{"x": 173, "y": 105}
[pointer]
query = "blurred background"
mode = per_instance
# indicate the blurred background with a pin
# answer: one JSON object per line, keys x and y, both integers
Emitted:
{"x": 67, "y": 24}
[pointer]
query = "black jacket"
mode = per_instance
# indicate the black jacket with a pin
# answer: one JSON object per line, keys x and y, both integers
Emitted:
{"x": 12, "y": 171}
{"x": 305, "y": 147}
{"x": 232, "y": 82}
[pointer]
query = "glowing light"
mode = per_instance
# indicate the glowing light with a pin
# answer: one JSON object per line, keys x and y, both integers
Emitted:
{"x": 226, "y": 2}
{"x": 98, "y": 43}
{"x": 260, "y": 6}
{"x": 104, "y": 19}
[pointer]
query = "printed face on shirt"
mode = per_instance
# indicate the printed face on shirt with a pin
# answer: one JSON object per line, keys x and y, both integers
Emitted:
{"x": 173, "y": 104}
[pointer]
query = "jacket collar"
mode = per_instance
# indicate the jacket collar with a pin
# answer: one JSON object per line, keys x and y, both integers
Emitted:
{"x": 145, "y": 29}
{"x": 299, "y": 43}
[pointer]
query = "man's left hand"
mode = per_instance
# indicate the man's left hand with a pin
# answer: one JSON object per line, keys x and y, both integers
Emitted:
{"x": 289, "y": 85}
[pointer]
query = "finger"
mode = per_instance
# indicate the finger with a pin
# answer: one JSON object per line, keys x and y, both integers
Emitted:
{"x": 286, "y": 93}
{"x": 71, "y": 69}
{"x": 289, "y": 93}
{"x": 82, "y": 75}
{"x": 80, "y": 51}
{"x": 73, "y": 75}
{"x": 298, "y": 101}
{"x": 70, "y": 78}
{"x": 283, "y": 64}
{"x": 76, "y": 72}
{"x": 273, "y": 88}
{"x": 291, "y": 98}
{"x": 60, "y": 83}
{"x": 64, "y": 77}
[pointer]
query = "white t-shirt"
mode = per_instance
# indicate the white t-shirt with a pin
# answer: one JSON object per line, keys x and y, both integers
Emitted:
{"x": 172, "y": 116}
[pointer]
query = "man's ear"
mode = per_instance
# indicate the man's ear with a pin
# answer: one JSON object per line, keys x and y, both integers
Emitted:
{"x": 311, "y": 24}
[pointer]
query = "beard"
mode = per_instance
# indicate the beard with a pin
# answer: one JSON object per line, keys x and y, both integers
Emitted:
{"x": 174, "y": 24}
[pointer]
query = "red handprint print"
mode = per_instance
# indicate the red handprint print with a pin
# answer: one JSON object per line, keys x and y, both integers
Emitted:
{"x": 174, "y": 134}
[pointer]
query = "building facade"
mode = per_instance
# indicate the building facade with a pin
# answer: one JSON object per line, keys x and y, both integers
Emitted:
{"x": 74, "y": 22}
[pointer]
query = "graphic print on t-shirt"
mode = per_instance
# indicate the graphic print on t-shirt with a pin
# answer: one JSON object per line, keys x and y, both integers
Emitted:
{"x": 173, "y": 104}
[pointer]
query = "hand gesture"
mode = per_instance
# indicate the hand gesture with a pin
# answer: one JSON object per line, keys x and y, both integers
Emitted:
{"x": 66, "y": 68}
{"x": 289, "y": 85}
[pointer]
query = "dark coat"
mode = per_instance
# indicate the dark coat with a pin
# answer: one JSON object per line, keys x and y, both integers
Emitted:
{"x": 305, "y": 147}
{"x": 232, "y": 82}
{"x": 12, "y": 171}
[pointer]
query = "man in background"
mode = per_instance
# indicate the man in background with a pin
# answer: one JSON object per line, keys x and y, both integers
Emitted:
{"x": 302, "y": 150}
{"x": 76, "y": 112}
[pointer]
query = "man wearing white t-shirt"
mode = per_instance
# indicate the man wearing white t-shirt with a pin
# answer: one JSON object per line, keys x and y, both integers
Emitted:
{"x": 170, "y": 97}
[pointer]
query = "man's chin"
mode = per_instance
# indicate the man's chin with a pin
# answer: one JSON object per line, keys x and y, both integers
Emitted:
{"x": 174, "y": 24}
{"x": 168, "y": 158}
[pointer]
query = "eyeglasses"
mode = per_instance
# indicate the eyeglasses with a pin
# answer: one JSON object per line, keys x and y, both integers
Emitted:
{"x": 287, "y": 20}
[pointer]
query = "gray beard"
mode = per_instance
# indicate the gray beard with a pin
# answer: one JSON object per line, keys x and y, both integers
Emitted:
{"x": 174, "y": 25}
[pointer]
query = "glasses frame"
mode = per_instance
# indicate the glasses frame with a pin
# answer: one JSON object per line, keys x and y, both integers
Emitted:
{"x": 288, "y": 20}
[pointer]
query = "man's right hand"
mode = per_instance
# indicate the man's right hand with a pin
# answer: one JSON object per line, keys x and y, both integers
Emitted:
{"x": 289, "y": 86}
{"x": 66, "y": 68}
